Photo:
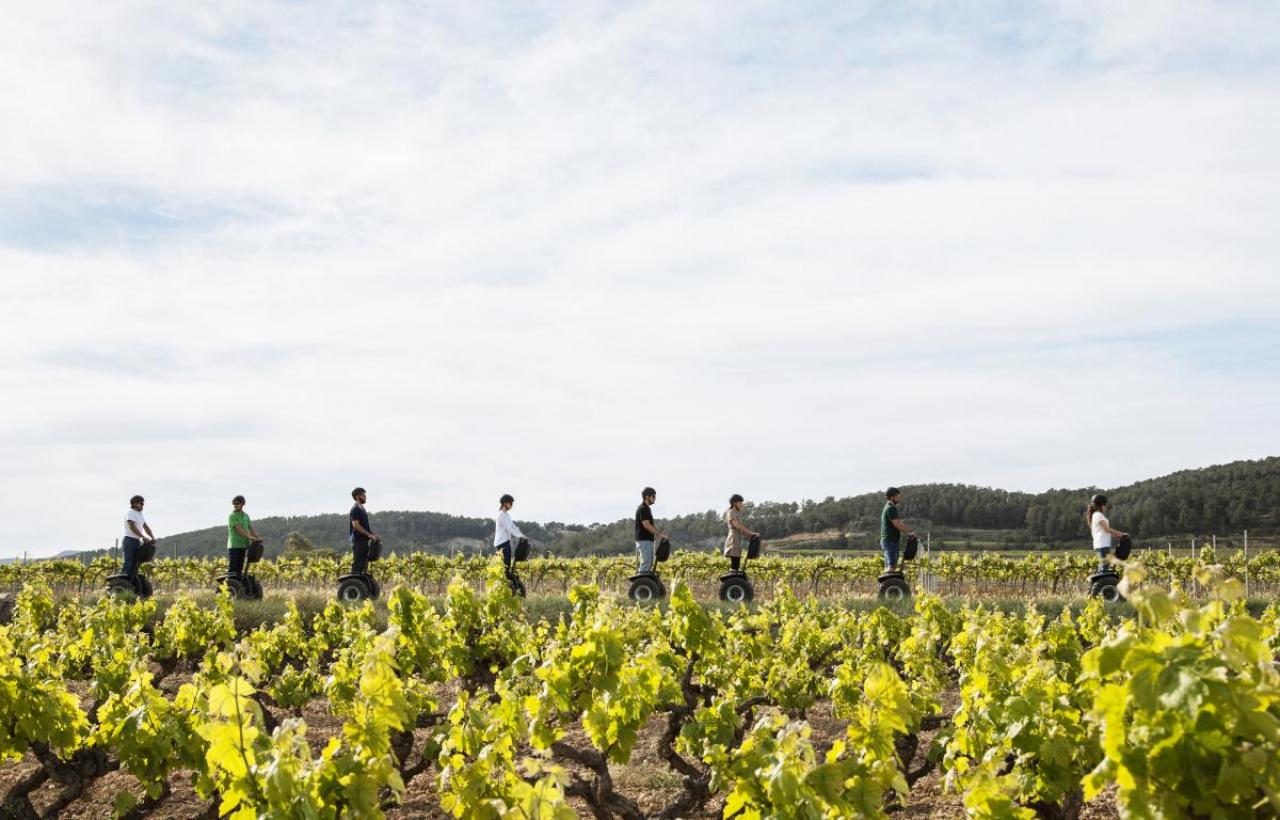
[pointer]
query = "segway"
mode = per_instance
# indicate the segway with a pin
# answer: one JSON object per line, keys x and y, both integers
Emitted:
{"x": 893, "y": 584}
{"x": 243, "y": 584}
{"x": 1105, "y": 583}
{"x": 355, "y": 587}
{"x": 521, "y": 553}
{"x": 647, "y": 586}
{"x": 735, "y": 587}
{"x": 139, "y": 585}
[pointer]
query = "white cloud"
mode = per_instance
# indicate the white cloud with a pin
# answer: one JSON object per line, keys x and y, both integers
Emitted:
{"x": 787, "y": 250}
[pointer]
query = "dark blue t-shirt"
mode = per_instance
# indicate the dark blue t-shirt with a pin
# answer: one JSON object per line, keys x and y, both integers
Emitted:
{"x": 358, "y": 513}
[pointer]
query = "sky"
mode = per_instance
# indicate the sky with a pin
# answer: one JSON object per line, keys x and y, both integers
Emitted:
{"x": 568, "y": 249}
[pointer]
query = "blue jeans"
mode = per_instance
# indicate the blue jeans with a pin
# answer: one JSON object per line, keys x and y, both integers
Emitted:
{"x": 890, "y": 550}
{"x": 1103, "y": 552}
{"x": 505, "y": 549}
{"x": 131, "y": 546}
{"x": 644, "y": 549}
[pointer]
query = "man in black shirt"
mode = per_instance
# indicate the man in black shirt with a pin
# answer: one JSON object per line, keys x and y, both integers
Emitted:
{"x": 645, "y": 531}
{"x": 361, "y": 534}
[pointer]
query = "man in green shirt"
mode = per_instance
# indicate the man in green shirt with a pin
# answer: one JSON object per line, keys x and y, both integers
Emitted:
{"x": 891, "y": 529}
{"x": 240, "y": 534}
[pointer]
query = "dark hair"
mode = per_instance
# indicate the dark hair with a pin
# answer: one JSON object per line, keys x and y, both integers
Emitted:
{"x": 238, "y": 500}
{"x": 891, "y": 492}
{"x": 357, "y": 491}
{"x": 506, "y": 499}
{"x": 135, "y": 500}
{"x": 735, "y": 498}
{"x": 1095, "y": 505}
{"x": 648, "y": 491}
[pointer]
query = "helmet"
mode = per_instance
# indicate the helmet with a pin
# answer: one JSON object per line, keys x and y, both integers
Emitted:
{"x": 1098, "y": 500}
{"x": 506, "y": 499}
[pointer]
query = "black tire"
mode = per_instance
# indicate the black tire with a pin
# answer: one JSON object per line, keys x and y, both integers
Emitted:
{"x": 144, "y": 586}
{"x": 353, "y": 590}
{"x": 255, "y": 588}
{"x": 736, "y": 590}
{"x": 120, "y": 586}
{"x": 1107, "y": 591}
{"x": 375, "y": 589}
{"x": 894, "y": 589}
{"x": 237, "y": 587}
{"x": 517, "y": 586}
{"x": 645, "y": 589}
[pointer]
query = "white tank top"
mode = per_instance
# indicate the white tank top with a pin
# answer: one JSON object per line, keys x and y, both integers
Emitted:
{"x": 1101, "y": 538}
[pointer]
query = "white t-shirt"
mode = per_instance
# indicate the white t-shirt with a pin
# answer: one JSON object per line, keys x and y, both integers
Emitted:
{"x": 505, "y": 529}
{"x": 136, "y": 517}
{"x": 1101, "y": 538}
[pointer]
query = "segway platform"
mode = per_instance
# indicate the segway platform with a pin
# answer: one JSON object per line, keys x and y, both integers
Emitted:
{"x": 646, "y": 586}
{"x": 736, "y": 588}
{"x": 1105, "y": 585}
{"x": 241, "y": 585}
{"x": 893, "y": 586}
{"x": 353, "y": 588}
{"x": 119, "y": 583}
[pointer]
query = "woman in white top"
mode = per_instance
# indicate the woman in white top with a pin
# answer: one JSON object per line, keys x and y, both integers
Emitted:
{"x": 1101, "y": 529}
{"x": 505, "y": 530}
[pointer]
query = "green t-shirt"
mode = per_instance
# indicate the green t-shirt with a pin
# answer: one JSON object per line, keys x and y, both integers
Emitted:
{"x": 235, "y": 540}
{"x": 888, "y": 532}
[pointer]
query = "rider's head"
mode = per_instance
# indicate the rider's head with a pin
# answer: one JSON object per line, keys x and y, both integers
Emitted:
{"x": 735, "y": 501}
{"x": 358, "y": 494}
{"x": 136, "y": 502}
{"x": 238, "y": 501}
{"x": 648, "y": 495}
{"x": 506, "y": 501}
{"x": 1098, "y": 501}
{"x": 893, "y": 494}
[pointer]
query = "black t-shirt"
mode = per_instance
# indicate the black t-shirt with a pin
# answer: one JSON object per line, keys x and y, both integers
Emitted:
{"x": 643, "y": 513}
{"x": 358, "y": 513}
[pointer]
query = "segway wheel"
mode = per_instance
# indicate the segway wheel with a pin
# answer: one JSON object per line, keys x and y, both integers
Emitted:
{"x": 236, "y": 586}
{"x": 255, "y": 588}
{"x": 894, "y": 588}
{"x": 144, "y": 586}
{"x": 1107, "y": 589}
{"x": 120, "y": 585}
{"x": 375, "y": 589}
{"x": 645, "y": 588}
{"x": 736, "y": 589}
{"x": 517, "y": 586}
{"x": 353, "y": 590}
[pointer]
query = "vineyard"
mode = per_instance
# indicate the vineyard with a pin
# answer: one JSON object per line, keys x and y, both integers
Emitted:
{"x": 463, "y": 706}
{"x": 967, "y": 574}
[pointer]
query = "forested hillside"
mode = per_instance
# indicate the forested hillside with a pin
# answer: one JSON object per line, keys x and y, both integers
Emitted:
{"x": 1221, "y": 499}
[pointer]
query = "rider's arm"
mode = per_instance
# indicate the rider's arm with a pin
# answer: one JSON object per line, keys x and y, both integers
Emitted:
{"x": 648, "y": 525}
{"x": 897, "y": 522}
{"x": 245, "y": 533}
{"x": 355, "y": 525}
{"x": 740, "y": 527}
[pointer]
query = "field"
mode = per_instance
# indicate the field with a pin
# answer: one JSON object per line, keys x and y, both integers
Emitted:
{"x": 456, "y": 698}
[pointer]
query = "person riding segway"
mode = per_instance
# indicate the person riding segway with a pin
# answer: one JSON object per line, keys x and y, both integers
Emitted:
{"x": 893, "y": 583}
{"x": 244, "y": 546}
{"x": 1105, "y": 583}
{"x": 505, "y": 532}
{"x": 645, "y": 584}
{"x": 734, "y": 585}
{"x": 366, "y": 546}
{"x": 139, "y": 547}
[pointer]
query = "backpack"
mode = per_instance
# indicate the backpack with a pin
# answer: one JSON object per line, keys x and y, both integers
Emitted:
{"x": 912, "y": 547}
{"x": 663, "y": 550}
{"x": 753, "y": 547}
{"x": 522, "y": 550}
{"x": 1124, "y": 546}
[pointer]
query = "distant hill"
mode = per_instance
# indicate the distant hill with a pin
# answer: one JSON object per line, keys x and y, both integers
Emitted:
{"x": 1221, "y": 499}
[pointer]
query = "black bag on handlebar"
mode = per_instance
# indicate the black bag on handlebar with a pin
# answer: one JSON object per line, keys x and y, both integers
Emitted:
{"x": 147, "y": 552}
{"x": 375, "y": 550}
{"x": 663, "y": 550}
{"x": 753, "y": 547}
{"x": 1124, "y": 546}
{"x": 912, "y": 547}
{"x": 522, "y": 550}
{"x": 254, "y": 554}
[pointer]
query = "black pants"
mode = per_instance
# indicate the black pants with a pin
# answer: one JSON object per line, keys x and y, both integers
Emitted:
{"x": 359, "y": 557}
{"x": 235, "y": 559}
